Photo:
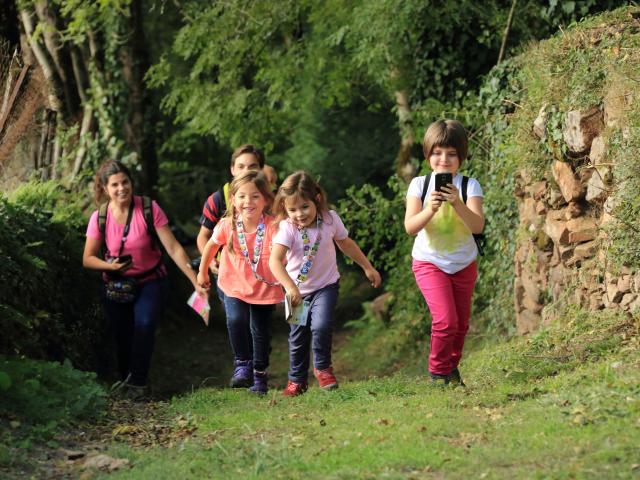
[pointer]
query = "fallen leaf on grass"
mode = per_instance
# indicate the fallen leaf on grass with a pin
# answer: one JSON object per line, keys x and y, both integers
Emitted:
{"x": 105, "y": 462}
{"x": 72, "y": 454}
{"x": 125, "y": 430}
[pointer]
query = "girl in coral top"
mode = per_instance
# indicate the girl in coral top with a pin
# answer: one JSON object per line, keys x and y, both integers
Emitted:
{"x": 250, "y": 289}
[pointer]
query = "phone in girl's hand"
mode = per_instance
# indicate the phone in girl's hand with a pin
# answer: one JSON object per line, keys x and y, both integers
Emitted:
{"x": 442, "y": 180}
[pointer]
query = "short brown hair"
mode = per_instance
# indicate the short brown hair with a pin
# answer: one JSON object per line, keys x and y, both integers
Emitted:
{"x": 446, "y": 133}
{"x": 248, "y": 148}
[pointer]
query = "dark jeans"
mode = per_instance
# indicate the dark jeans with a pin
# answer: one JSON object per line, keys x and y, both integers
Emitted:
{"x": 134, "y": 325}
{"x": 317, "y": 334}
{"x": 214, "y": 284}
{"x": 249, "y": 328}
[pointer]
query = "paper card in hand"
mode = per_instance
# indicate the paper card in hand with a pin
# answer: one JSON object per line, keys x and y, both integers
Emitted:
{"x": 298, "y": 315}
{"x": 201, "y": 305}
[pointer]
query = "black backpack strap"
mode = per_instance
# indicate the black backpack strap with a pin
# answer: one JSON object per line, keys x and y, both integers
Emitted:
{"x": 148, "y": 215}
{"x": 102, "y": 218}
{"x": 427, "y": 179}
{"x": 477, "y": 237}
{"x": 465, "y": 182}
{"x": 102, "y": 226}
{"x": 147, "y": 210}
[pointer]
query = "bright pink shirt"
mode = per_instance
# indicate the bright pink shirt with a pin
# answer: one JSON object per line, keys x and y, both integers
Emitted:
{"x": 324, "y": 270}
{"x": 138, "y": 244}
{"x": 235, "y": 278}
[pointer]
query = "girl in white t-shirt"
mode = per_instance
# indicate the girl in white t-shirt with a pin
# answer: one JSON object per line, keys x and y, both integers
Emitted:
{"x": 444, "y": 252}
{"x": 305, "y": 241}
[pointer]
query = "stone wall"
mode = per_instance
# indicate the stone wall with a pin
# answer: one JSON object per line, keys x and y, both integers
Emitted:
{"x": 560, "y": 256}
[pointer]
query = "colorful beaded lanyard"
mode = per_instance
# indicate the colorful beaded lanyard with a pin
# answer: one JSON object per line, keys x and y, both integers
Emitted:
{"x": 309, "y": 252}
{"x": 257, "y": 249}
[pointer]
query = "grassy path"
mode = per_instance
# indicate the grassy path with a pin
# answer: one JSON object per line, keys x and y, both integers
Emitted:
{"x": 557, "y": 405}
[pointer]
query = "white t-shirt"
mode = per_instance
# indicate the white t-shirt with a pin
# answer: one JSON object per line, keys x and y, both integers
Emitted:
{"x": 445, "y": 241}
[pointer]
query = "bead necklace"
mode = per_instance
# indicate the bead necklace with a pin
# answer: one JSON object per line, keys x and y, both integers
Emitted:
{"x": 257, "y": 248}
{"x": 309, "y": 252}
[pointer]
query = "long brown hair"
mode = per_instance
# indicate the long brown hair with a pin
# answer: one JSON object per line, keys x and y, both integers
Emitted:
{"x": 260, "y": 181}
{"x": 300, "y": 185}
{"x": 108, "y": 168}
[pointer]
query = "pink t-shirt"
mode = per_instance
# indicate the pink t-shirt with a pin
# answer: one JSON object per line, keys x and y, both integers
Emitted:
{"x": 235, "y": 278}
{"x": 324, "y": 270}
{"x": 138, "y": 244}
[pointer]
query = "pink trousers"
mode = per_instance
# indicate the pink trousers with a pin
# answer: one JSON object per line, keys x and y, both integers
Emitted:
{"x": 449, "y": 299}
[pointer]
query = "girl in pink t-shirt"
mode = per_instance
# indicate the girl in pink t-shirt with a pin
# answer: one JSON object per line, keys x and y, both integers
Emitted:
{"x": 250, "y": 289}
{"x": 305, "y": 240}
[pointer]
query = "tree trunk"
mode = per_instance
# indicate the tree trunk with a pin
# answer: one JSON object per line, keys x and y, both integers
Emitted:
{"x": 58, "y": 54}
{"x": 85, "y": 129}
{"x": 138, "y": 133}
{"x": 403, "y": 160}
{"x": 56, "y": 91}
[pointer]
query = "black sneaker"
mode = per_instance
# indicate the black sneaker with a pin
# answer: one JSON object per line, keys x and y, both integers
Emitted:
{"x": 455, "y": 378}
{"x": 135, "y": 393}
{"x": 438, "y": 380}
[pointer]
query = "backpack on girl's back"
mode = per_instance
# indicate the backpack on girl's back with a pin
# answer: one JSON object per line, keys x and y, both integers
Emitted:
{"x": 305, "y": 240}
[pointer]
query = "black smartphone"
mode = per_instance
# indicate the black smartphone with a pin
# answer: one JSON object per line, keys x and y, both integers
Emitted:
{"x": 124, "y": 259}
{"x": 443, "y": 179}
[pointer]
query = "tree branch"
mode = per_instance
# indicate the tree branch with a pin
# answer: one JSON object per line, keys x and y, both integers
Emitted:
{"x": 506, "y": 32}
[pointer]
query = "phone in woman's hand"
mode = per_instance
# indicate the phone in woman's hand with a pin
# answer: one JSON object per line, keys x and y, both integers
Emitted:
{"x": 125, "y": 259}
{"x": 442, "y": 180}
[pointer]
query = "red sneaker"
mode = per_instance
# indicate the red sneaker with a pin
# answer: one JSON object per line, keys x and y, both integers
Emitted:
{"x": 326, "y": 378}
{"x": 294, "y": 389}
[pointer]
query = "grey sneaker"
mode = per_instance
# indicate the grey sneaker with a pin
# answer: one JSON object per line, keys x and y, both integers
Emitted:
{"x": 259, "y": 383}
{"x": 242, "y": 374}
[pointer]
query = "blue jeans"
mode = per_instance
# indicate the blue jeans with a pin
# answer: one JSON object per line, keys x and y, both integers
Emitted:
{"x": 249, "y": 328}
{"x": 134, "y": 325}
{"x": 317, "y": 334}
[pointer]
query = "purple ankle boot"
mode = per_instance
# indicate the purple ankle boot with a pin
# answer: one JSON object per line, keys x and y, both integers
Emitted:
{"x": 259, "y": 382}
{"x": 242, "y": 374}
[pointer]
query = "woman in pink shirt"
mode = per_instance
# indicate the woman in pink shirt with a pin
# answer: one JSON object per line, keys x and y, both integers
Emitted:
{"x": 305, "y": 240}
{"x": 250, "y": 289}
{"x": 131, "y": 254}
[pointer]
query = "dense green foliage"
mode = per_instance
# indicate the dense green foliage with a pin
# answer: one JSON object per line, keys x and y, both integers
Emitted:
{"x": 315, "y": 83}
{"x": 37, "y": 400}
{"x": 39, "y": 392}
{"x": 48, "y": 302}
